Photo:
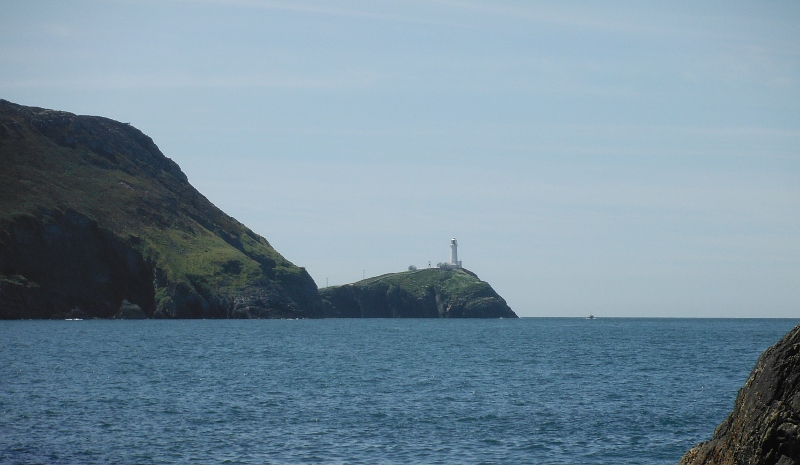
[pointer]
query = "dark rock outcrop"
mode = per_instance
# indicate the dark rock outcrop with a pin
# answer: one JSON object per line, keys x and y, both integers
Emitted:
{"x": 429, "y": 293}
{"x": 93, "y": 215}
{"x": 129, "y": 311}
{"x": 764, "y": 427}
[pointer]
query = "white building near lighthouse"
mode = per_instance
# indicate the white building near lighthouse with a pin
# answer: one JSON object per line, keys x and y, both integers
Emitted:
{"x": 455, "y": 263}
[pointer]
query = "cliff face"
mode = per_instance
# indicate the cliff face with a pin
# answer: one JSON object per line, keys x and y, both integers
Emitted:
{"x": 429, "y": 293}
{"x": 95, "y": 222}
{"x": 764, "y": 427}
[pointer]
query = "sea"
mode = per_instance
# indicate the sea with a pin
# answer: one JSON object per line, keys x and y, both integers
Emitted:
{"x": 370, "y": 391}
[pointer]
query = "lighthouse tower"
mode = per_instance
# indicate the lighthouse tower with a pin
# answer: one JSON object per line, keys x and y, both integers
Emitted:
{"x": 454, "y": 262}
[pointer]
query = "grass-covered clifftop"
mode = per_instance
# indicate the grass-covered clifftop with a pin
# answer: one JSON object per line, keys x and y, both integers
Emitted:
{"x": 427, "y": 293}
{"x": 92, "y": 214}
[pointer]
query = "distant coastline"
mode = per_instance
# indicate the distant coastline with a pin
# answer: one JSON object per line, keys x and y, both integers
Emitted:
{"x": 95, "y": 222}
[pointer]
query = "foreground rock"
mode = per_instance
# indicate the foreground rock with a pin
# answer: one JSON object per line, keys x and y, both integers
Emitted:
{"x": 764, "y": 427}
{"x": 96, "y": 222}
{"x": 429, "y": 293}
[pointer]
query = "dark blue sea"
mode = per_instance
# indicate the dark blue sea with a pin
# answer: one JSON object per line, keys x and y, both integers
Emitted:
{"x": 538, "y": 391}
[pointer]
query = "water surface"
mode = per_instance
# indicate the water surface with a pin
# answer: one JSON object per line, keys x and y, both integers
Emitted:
{"x": 540, "y": 391}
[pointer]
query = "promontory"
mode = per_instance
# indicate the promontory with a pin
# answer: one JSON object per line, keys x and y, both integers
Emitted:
{"x": 426, "y": 293}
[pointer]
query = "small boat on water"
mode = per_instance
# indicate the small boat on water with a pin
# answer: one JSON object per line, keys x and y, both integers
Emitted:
{"x": 590, "y": 317}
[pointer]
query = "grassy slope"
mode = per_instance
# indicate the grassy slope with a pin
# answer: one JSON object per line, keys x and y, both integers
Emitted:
{"x": 454, "y": 283}
{"x": 128, "y": 187}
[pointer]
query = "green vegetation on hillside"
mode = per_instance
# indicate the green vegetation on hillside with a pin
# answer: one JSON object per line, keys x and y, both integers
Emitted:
{"x": 59, "y": 170}
{"x": 418, "y": 282}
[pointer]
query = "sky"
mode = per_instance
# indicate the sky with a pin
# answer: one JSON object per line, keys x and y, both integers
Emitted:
{"x": 621, "y": 159}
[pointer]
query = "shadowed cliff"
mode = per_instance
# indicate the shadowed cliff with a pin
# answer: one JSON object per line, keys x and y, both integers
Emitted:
{"x": 428, "y": 293}
{"x": 764, "y": 427}
{"x": 96, "y": 222}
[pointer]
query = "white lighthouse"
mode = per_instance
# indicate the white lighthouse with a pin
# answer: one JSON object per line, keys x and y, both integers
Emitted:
{"x": 454, "y": 262}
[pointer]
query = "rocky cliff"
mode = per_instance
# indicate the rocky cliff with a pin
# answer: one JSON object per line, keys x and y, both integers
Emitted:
{"x": 428, "y": 293}
{"x": 96, "y": 222}
{"x": 764, "y": 427}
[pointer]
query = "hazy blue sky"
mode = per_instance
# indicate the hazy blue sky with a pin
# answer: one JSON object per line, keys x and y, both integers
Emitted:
{"x": 615, "y": 158}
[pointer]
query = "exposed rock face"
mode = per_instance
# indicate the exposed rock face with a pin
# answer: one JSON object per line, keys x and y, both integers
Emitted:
{"x": 93, "y": 215}
{"x": 64, "y": 261}
{"x": 764, "y": 427}
{"x": 429, "y": 293}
